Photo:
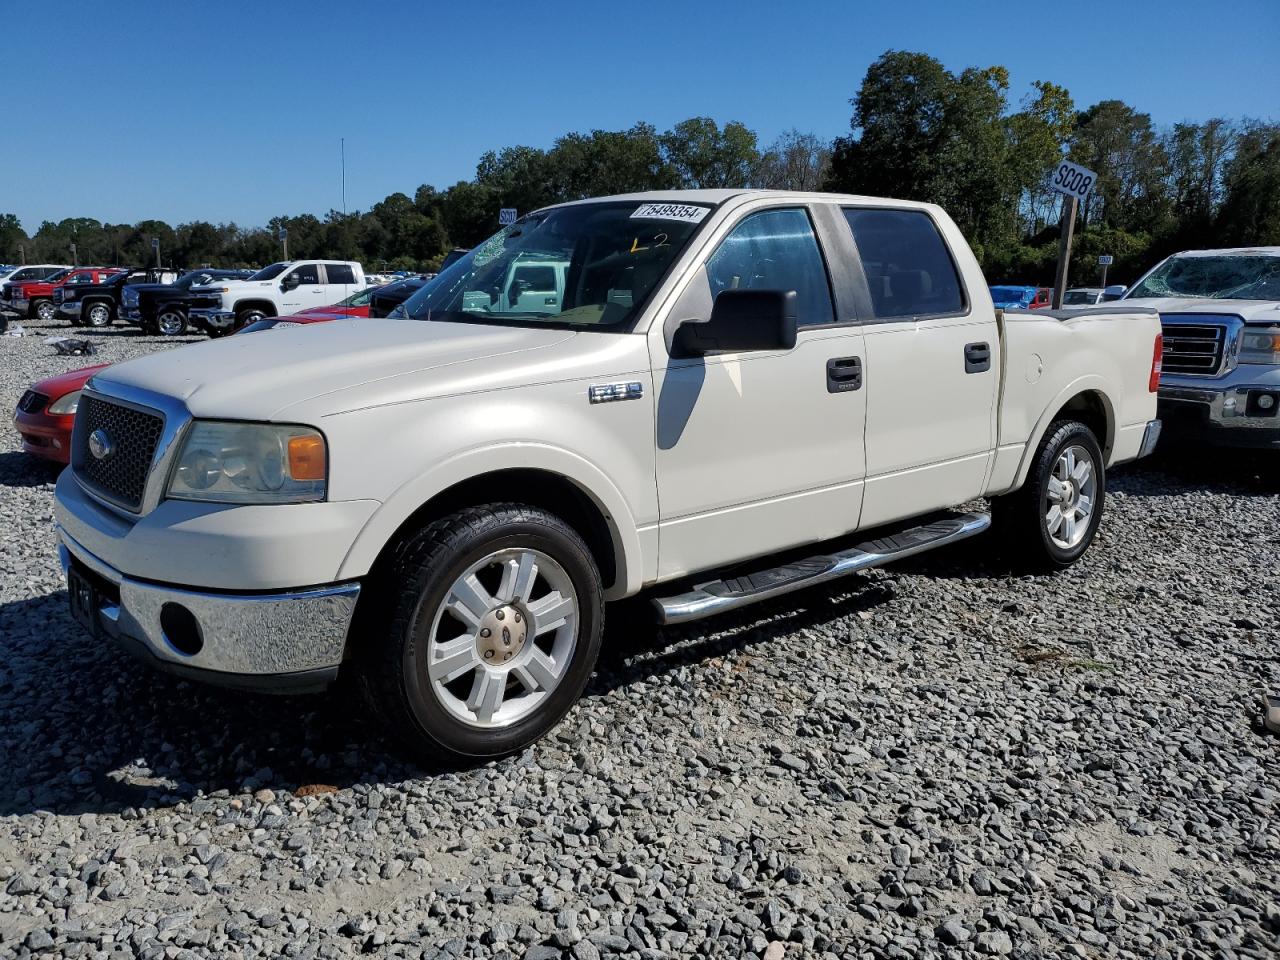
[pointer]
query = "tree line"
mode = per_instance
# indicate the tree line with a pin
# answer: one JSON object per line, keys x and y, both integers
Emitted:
{"x": 918, "y": 131}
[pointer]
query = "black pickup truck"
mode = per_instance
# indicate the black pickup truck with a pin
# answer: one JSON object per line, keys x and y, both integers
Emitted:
{"x": 162, "y": 309}
{"x": 97, "y": 304}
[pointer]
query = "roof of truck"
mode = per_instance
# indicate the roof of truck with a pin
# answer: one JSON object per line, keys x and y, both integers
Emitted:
{"x": 1232, "y": 252}
{"x": 717, "y": 197}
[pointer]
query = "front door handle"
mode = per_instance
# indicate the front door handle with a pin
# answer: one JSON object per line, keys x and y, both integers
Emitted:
{"x": 844, "y": 374}
{"x": 977, "y": 357}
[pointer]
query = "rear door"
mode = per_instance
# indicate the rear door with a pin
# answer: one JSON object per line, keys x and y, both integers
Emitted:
{"x": 933, "y": 367}
{"x": 339, "y": 282}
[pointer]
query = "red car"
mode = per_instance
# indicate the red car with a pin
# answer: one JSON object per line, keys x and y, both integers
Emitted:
{"x": 1043, "y": 298}
{"x": 46, "y": 412}
{"x": 34, "y": 298}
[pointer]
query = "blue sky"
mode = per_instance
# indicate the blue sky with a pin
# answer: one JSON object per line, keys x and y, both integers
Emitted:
{"x": 232, "y": 111}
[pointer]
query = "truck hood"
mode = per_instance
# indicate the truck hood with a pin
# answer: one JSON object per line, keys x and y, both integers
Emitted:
{"x": 1250, "y": 311}
{"x": 321, "y": 369}
{"x": 237, "y": 286}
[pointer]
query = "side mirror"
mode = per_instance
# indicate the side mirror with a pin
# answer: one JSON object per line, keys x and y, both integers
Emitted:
{"x": 741, "y": 320}
{"x": 290, "y": 282}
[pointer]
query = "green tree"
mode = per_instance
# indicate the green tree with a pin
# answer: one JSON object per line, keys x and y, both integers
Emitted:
{"x": 703, "y": 155}
{"x": 1121, "y": 146}
{"x": 794, "y": 161}
{"x": 11, "y": 235}
{"x": 1250, "y": 212}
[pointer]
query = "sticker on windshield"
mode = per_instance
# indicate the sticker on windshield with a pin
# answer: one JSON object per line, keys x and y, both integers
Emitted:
{"x": 670, "y": 211}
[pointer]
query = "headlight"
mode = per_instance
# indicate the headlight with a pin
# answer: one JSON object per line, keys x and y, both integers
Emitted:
{"x": 227, "y": 462}
{"x": 66, "y": 403}
{"x": 1260, "y": 346}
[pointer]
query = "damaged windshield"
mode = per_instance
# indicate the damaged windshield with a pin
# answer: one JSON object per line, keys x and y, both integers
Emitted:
{"x": 1239, "y": 277}
{"x": 586, "y": 266}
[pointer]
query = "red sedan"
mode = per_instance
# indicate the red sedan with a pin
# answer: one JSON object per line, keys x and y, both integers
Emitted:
{"x": 47, "y": 410}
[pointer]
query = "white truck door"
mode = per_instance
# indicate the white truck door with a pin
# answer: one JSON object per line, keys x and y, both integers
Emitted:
{"x": 933, "y": 367}
{"x": 340, "y": 283}
{"x": 308, "y": 293}
{"x": 759, "y": 451}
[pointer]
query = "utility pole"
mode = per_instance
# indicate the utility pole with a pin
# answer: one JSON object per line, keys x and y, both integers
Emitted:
{"x": 342, "y": 146}
{"x": 75, "y": 260}
{"x": 155, "y": 245}
{"x": 22, "y": 255}
{"x": 1066, "y": 230}
{"x": 284, "y": 239}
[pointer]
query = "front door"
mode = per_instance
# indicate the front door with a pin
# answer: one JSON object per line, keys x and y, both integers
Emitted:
{"x": 310, "y": 291}
{"x": 759, "y": 451}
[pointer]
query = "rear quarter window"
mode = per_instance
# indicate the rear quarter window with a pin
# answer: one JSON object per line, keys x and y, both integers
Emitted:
{"x": 908, "y": 266}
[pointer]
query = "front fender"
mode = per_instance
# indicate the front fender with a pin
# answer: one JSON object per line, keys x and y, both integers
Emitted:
{"x": 471, "y": 464}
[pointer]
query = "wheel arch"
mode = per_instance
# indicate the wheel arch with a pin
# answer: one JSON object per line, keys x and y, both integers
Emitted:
{"x": 588, "y": 503}
{"x": 1087, "y": 400}
{"x": 267, "y": 306}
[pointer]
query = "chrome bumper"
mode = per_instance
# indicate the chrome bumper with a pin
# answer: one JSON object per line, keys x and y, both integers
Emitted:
{"x": 280, "y": 642}
{"x": 18, "y": 305}
{"x": 1231, "y": 411}
{"x": 1150, "y": 437}
{"x": 207, "y": 316}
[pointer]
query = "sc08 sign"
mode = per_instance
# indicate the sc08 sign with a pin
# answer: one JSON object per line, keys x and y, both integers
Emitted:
{"x": 1073, "y": 180}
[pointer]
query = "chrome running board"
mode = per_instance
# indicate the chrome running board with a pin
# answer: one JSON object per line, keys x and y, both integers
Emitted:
{"x": 719, "y": 596}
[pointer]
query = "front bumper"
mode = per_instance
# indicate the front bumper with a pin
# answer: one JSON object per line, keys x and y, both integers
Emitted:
{"x": 45, "y": 435}
{"x": 208, "y": 318}
{"x": 1229, "y": 410}
{"x": 280, "y": 642}
{"x": 70, "y": 308}
{"x": 18, "y": 305}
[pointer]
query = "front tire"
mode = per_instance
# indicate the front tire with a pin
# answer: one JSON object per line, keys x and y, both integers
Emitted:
{"x": 493, "y": 626}
{"x": 1049, "y": 523}
{"x": 97, "y": 315}
{"x": 170, "y": 322}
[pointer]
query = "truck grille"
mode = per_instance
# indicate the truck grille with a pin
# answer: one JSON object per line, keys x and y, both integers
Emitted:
{"x": 122, "y": 475}
{"x": 32, "y": 402}
{"x": 1193, "y": 348}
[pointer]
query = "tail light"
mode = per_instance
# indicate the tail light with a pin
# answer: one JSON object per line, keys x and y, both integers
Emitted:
{"x": 1157, "y": 357}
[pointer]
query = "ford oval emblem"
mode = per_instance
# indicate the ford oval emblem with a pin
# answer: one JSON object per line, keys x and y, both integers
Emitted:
{"x": 101, "y": 445}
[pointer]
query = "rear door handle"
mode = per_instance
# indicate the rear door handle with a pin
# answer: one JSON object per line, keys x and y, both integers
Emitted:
{"x": 977, "y": 357}
{"x": 844, "y": 374}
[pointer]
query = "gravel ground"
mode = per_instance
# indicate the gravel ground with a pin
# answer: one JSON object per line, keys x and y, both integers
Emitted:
{"x": 938, "y": 758}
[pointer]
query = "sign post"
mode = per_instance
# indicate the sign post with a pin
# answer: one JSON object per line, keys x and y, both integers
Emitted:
{"x": 1075, "y": 183}
{"x": 507, "y": 216}
{"x": 1105, "y": 260}
{"x": 284, "y": 239}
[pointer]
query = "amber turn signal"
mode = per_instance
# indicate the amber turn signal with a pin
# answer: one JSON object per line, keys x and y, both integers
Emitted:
{"x": 307, "y": 457}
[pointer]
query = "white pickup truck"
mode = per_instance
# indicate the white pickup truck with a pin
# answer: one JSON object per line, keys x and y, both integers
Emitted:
{"x": 681, "y": 387}
{"x": 289, "y": 287}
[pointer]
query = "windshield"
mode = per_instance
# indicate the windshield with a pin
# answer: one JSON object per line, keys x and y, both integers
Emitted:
{"x": 1241, "y": 277}
{"x": 1078, "y": 297}
{"x": 55, "y": 277}
{"x": 588, "y": 266}
{"x": 271, "y": 272}
{"x": 356, "y": 299}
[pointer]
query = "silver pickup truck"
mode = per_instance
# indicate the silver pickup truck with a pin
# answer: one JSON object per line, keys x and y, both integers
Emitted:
{"x": 1220, "y": 311}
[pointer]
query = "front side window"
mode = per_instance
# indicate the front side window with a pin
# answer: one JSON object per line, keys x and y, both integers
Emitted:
{"x": 908, "y": 267}
{"x": 80, "y": 278}
{"x": 339, "y": 273}
{"x": 775, "y": 250}
{"x": 308, "y": 273}
{"x": 586, "y": 266}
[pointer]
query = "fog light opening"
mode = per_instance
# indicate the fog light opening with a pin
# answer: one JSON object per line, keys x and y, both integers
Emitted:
{"x": 181, "y": 629}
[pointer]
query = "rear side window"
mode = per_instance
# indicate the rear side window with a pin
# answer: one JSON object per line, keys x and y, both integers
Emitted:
{"x": 308, "y": 273}
{"x": 775, "y": 250}
{"x": 339, "y": 273}
{"x": 908, "y": 266}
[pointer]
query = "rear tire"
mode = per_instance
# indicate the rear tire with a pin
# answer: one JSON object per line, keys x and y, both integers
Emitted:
{"x": 44, "y": 311}
{"x": 492, "y": 625}
{"x": 1049, "y": 523}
